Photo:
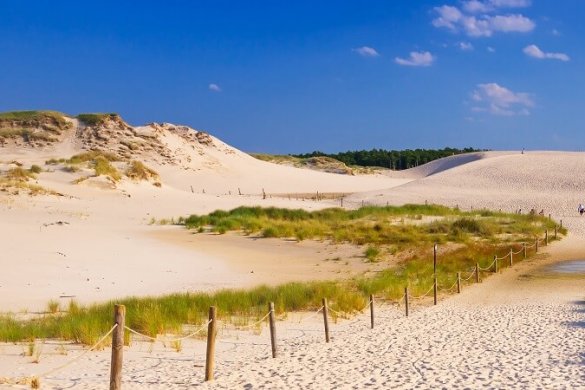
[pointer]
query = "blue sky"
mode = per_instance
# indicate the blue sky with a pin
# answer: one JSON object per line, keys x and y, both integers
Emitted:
{"x": 297, "y": 76}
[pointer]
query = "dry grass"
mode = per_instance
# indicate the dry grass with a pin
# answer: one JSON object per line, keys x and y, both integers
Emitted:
{"x": 137, "y": 170}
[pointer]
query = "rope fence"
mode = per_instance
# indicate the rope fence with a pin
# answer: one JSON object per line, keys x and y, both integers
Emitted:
{"x": 169, "y": 341}
{"x": 118, "y": 328}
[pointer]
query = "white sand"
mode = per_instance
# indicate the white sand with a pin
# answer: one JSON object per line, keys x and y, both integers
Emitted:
{"x": 504, "y": 333}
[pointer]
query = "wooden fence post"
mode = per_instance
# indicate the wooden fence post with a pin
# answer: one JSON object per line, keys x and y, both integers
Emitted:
{"x": 406, "y": 299}
{"x": 496, "y": 263}
{"x": 272, "y": 329}
{"x": 435, "y": 290}
{"x": 536, "y": 245}
{"x": 372, "y": 310}
{"x": 435, "y": 259}
{"x": 561, "y": 221}
{"x": 476, "y": 272}
{"x": 326, "y": 319}
{"x": 117, "y": 348}
{"x": 546, "y": 237}
{"x": 511, "y": 257}
{"x": 210, "y": 355}
{"x": 556, "y": 232}
{"x": 524, "y": 246}
{"x": 341, "y": 202}
{"x": 458, "y": 282}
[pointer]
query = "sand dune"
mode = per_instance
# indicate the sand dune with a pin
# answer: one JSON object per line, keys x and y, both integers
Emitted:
{"x": 95, "y": 242}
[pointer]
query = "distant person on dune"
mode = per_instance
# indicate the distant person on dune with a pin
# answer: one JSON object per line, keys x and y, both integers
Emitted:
{"x": 581, "y": 209}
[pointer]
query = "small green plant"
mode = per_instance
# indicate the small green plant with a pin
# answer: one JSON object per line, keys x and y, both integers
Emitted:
{"x": 91, "y": 157}
{"x": 53, "y": 306}
{"x": 95, "y": 119}
{"x": 19, "y": 174}
{"x": 372, "y": 253}
{"x": 103, "y": 167}
{"x": 136, "y": 170}
{"x": 54, "y": 161}
{"x": 35, "y": 169}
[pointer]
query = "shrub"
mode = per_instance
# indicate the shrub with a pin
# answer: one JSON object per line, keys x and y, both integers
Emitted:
{"x": 91, "y": 156}
{"x": 18, "y": 174}
{"x": 96, "y": 119}
{"x": 372, "y": 253}
{"x": 136, "y": 170}
{"x": 103, "y": 167}
{"x": 35, "y": 169}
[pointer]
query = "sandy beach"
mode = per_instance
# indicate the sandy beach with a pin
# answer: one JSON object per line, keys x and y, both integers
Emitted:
{"x": 517, "y": 329}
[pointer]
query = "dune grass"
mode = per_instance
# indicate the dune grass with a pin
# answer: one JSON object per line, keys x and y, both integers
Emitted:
{"x": 88, "y": 157}
{"x": 32, "y": 126}
{"x": 466, "y": 237}
{"x": 389, "y": 225}
{"x": 137, "y": 170}
{"x": 23, "y": 116}
{"x": 94, "y": 119}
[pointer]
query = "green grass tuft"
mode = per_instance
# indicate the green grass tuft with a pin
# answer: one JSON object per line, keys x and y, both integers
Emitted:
{"x": 136, "y": 170}
{"x": 96, "y": 118}
{"x": 102, "y": 167}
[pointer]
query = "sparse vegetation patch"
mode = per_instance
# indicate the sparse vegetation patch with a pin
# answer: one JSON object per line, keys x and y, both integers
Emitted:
{"x": 32, "y": 126}
{"x": 136, "y": 170}
{"x": 95, "y": 119}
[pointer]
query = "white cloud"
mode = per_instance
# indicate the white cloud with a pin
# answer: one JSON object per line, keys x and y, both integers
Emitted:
{"x": 465, "y": 46}
{"x": 498, "y": 100}
{"x": 555, "y": 32}
{"x": 535, "y": 52}
{"x": 366, "y": 51}
{"x": 477, "y": 6}
{"x": 214, "y": 87}
{"x": 511, "y": 23}
{"x": 491, "y": 49}
{"x": 423, "y": 58}
{"x": 449, "y": 17}
{"x": 511, "y": 3}
{"x": 481, "y": 25}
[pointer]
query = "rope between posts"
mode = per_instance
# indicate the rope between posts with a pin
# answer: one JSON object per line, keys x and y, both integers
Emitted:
{"x": 519, "y": 251}
{"x": 336, "y": 312}
{"x": 254, "y": 324}
{"x": 530, "y": 246}
{"x": 164, "y": 341}
{"x": 425, "y": 294}
{"x": 312, "y": 315}
{"x": 469, "y": 277}
{"x": 488, "y": 267}
{"x": 368, "y": 305}
{"x": 80, "y": 356}
{"x": 452, "y": 287}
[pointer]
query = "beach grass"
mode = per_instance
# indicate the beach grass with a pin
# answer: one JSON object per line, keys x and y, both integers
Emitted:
{"x": 391, "y": 225}
{"x": 466, "y": 238}
{"x": 93, "y": 119}
{"x": 137, "y": 170}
